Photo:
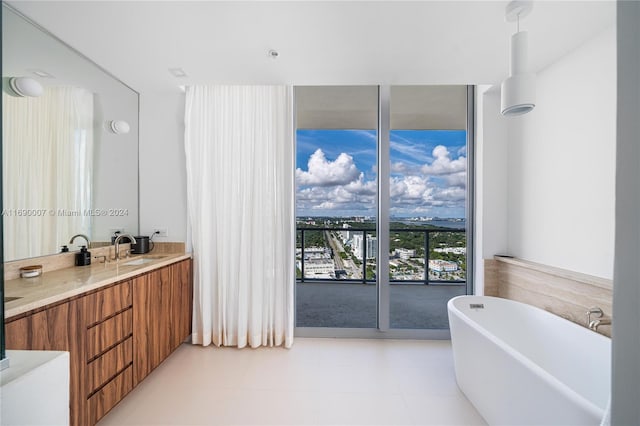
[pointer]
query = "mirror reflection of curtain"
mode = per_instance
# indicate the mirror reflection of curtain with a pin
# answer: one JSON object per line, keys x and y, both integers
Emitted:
{"x": 47, "y": 170}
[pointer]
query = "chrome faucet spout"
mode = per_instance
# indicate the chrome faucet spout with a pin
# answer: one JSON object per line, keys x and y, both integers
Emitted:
{"x": 117, "y": 243}
{"x": 81, "y": 236}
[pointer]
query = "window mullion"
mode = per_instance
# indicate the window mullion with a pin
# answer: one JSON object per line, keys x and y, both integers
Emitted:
{"x": 384, "y": 200}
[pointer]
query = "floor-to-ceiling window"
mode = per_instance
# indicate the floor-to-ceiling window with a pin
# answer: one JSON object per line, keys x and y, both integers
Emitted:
{"x": 336, "y": 156}
{"x": 380, "y": 170}
{"x": 427, "y": 203}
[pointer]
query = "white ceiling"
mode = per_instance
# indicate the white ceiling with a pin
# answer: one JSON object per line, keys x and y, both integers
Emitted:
{"x": 320, "y": 42}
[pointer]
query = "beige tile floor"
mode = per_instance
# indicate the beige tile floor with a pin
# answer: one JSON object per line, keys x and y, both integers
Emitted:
{"x": 317, "y": 382}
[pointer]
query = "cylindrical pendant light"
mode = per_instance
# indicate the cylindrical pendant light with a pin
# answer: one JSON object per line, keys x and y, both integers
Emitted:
{"x": 518, "y": 91}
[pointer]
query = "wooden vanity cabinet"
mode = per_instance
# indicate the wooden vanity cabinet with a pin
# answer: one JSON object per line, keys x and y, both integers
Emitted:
{"x": 162, "y": 315}
{"x": 109, "y": 348}
{"x": 57, "y": 328}
{"x": 115, "y": 335}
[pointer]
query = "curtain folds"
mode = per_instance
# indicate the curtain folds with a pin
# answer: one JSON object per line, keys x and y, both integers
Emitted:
{"x": 240, "y": 194}
{"x": 47, "y": 144}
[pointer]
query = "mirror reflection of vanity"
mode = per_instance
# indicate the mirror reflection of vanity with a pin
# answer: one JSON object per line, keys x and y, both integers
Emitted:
{"x": 66, "y": 171}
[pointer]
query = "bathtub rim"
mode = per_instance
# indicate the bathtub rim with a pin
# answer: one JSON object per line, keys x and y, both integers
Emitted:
{"x": 574, "y": 396}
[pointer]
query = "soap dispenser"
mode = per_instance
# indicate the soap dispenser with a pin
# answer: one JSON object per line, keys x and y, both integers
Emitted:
{"x": 83, "y": 258}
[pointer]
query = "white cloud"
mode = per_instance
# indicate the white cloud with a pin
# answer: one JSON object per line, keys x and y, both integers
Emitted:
{"x": 450, "y": 194}
{"x": 322, "y": 172}
{"x": 398, "y": 167}
{"x": 356, "y": 195}
{"x": 360, "y": 187}
{"x": 458, "y": 180}
{"x": 335, "y": 186}
{"x": 408, "y": 148}
{"x": 414, "y": 188}
{"x": 443, "y": 164}
{"x": 327, "y": 205}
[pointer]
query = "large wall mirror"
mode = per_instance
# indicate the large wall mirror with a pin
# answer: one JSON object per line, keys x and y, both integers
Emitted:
{"x": 65, "y": 169}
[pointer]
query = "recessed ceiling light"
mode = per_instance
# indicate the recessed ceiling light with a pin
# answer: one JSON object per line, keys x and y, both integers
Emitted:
{"x": 178, "y": 72}
{"x": 42, "y": 74}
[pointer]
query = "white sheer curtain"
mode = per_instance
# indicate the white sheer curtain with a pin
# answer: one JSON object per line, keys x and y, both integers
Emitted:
{"x": 47, "y": 157}
{"x": 240, "y": 194}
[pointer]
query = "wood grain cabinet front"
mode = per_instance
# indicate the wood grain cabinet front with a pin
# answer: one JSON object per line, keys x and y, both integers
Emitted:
{"x": 58, "y": 328}
{"x": 162, "y": 315}
{"x": 108, "y": 319}
{"x": 108, "y": 396}
{"x": 108, "y": 302}
{"x": 115, "y": 335}
{"x": 104, "y": 335}
{"x": 106, "y": 367}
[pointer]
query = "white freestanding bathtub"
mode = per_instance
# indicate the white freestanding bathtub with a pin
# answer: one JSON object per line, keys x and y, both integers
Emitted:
{"x": 520, "y": 365}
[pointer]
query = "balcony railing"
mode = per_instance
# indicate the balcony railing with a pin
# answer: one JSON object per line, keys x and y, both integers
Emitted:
{"x": 331, "y": 243}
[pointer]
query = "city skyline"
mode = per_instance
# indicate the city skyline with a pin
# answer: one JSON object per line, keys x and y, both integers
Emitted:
{"x": 336, "y": 173}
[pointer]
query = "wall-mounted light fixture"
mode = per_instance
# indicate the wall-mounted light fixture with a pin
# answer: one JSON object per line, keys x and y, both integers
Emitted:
{"x": 25, "y": 86}
{"x": 518, "y": 91}
{"x": 119, "y": 127}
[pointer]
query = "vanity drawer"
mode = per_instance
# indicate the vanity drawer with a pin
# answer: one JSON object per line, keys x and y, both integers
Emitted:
{"x": 106, "y": 303}
{"x": 106, "y": 398}
{"x": 108, "y": 333}
{"x": 100, "y": 370}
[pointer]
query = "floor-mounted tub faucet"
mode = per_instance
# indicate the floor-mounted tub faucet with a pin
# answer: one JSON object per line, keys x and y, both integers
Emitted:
{"x": 593, "y": 325}
{"x": 598, "y": 313}
{"x": 595, "y": 311}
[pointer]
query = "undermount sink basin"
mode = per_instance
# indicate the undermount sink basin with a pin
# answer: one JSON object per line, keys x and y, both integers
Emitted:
{"x": 11, "y": 298}
{"x": 156, "y": 256}
{"x": 140, "y": 261}
{"x": 143, "y": 260}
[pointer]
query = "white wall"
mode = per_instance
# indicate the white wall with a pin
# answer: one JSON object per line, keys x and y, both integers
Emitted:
{"x": 115, "y": 175}
{"x": 490, "y": 180}
{"x": 561, "y": 164}
{"x": 626, "y": 288}
{"x": 163, "y": 197}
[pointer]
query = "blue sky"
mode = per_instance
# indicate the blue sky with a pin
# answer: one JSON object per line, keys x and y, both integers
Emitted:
{"x": 335, "y": 172}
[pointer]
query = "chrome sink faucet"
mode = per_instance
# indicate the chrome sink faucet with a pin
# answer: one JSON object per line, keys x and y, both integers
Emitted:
{"x": 81, "y": 236}
{"x": 117, "y": 243}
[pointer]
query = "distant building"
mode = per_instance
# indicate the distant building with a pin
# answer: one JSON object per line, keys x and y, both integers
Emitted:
{"x": 317, "y": 253}
{"x": 405, "y": 254}
{"x": 356, "y": 245}
{"x": 318, "y": 268}
{"x": 346, "y": 234}
{"x": 438, "y": 265}
{"x": 454, "y": 250}
{"x": 371, "y": 246}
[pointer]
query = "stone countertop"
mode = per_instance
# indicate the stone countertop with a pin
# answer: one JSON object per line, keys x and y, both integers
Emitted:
{"x": 54, "y": 286}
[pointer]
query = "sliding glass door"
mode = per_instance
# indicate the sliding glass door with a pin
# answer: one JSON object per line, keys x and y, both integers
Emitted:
{"x": 428, "y": 198}
{"x": 336, "y": 206}
{"x": 381, "y": 203}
